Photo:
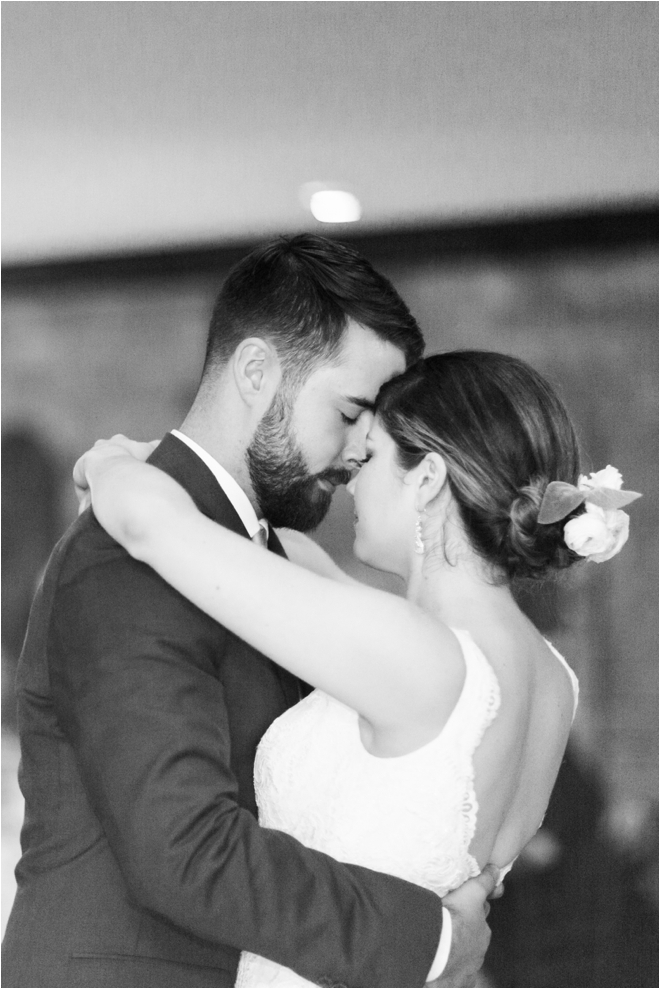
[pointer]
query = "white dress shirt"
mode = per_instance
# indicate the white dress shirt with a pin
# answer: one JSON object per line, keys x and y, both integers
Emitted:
{"x": 231, "y": 488}
{"x": 248, "y": 517}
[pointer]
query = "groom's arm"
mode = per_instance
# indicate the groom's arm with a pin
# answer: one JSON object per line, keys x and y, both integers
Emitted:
{"x": 137, "y": 694}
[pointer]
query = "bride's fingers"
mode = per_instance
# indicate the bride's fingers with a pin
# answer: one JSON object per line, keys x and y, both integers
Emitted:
{"x": 80, "y": 478}
{"x": 102, "y": 451}
{"x": 84, "y": 500}
{"x": 138, "y": 449}
{"x": 116, "y": 446}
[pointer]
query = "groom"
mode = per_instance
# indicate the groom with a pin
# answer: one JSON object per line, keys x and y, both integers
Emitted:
{"x": 143, "y": 863}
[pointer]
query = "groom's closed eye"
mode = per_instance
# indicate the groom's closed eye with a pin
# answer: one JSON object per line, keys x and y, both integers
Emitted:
{"x": 360, "y": 406}
{"x": 363, "y": 404}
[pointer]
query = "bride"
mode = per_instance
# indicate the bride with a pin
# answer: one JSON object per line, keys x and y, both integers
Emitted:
{"x": 433, "y": 740}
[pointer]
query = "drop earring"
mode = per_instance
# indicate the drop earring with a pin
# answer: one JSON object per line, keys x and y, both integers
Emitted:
{"x": 419, "y": 542}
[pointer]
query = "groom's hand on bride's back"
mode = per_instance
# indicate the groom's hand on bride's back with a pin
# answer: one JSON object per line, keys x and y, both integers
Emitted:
{"x": 468, "y": 906}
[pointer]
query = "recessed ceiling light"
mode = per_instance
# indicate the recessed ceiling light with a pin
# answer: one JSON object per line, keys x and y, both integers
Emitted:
{"x": 335, "y": 206}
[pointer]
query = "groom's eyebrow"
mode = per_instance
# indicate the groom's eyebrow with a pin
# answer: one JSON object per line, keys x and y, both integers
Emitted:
{"x": 362, "y": 403}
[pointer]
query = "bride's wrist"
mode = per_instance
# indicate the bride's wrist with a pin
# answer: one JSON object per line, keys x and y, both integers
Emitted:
{"x": 156, "y": 512}
{"x": 137, "y": 504}
{"x": 128, "y": 504}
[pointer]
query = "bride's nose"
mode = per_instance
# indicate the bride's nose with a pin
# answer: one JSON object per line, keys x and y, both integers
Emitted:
{"x": 350, "y": 487}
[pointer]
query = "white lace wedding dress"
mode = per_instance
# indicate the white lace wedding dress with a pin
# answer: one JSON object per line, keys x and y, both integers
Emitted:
{"x": 412, "y": 816}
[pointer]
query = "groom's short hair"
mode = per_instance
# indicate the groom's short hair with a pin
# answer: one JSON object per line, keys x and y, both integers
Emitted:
{"x": 299, "y": 293}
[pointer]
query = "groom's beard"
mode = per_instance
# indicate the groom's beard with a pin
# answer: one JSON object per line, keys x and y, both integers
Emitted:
{"x": 287, "y": 494}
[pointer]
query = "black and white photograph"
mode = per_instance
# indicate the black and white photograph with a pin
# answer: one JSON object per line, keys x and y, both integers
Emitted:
{"x": 329, "y": 494}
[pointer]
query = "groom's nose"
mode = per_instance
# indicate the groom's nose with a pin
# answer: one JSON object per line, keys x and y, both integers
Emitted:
{"x": 355, "y": 449}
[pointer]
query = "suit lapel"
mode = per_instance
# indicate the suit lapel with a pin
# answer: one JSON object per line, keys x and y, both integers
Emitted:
{"x": 293, "y": 688}
{"x": 183, "y": 464}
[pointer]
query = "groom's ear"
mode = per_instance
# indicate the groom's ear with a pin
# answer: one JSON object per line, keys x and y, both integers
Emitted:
{"x": 257, "y": 372}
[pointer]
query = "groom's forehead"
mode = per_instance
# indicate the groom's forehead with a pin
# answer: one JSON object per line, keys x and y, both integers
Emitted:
{"x": 365, "y": 361}
{"x": 355, "y": 384}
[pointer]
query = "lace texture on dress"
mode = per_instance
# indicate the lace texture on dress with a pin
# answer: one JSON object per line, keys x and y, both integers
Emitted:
{"x": 412, "y": 816}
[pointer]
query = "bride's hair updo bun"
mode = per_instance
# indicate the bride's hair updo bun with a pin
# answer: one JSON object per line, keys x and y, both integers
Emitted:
{"x": 535, "y": 548}
{"x": 504, "y": 435}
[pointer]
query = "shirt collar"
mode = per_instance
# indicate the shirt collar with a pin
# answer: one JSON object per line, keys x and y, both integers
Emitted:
{"x": 231, "y": 488}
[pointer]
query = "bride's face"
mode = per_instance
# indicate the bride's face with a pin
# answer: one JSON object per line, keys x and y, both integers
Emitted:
{"x": 384, "y": 507}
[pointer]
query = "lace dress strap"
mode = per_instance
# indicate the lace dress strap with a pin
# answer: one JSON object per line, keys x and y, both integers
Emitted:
{"x": 475, "y": 711}
{"x": 575, "y": 684}
{"x": 479, "y": 703}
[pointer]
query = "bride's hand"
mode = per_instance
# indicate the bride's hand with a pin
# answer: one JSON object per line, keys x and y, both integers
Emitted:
{"x": 104, "y": 451}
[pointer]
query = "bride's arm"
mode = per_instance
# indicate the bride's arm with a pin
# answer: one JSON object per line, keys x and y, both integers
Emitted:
{"x": 375, "y": 652}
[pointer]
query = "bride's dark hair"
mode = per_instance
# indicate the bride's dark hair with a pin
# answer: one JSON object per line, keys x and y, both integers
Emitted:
{"x": 504, "y": 435}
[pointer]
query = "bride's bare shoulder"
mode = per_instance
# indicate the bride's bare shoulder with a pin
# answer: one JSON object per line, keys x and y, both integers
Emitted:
{"x": 292, "y": 540}
{"x": 307, "y": 553}
{"x": 299, "y": 547}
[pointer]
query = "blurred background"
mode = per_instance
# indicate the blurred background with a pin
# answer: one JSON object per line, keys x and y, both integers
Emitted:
{"x": 502, "y": 159}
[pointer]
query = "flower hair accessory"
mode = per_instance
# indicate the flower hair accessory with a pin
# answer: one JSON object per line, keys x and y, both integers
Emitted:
{"x": 602, "y": 530}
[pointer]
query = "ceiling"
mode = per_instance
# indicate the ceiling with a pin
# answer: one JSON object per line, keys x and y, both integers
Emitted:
{"x": 130, "y": 126}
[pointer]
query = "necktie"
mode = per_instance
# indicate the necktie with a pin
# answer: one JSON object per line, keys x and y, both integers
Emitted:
{"x": 261, "y": 536}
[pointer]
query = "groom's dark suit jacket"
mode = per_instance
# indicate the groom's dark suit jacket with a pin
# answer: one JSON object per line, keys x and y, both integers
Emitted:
{"x": 143, "y": 863}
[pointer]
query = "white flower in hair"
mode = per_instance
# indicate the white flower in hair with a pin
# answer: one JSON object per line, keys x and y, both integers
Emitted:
{"x": 602, "y": 530}
{"x": 608, "y": 477}
{"x": 598, "y": 534}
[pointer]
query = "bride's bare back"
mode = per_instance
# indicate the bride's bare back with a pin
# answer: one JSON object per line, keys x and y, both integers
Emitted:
{"x": 517, "y": 763}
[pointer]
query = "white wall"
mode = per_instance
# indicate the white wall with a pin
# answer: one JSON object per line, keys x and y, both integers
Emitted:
{"x": 131, "y": 125}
